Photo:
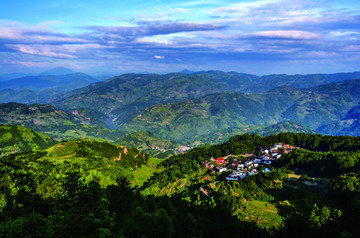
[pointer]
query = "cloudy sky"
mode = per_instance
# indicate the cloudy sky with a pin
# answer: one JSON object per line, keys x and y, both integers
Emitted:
{"x": 113, "y": 36}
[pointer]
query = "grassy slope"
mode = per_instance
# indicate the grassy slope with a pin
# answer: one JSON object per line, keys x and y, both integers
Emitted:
{"x": 142, "y": 174}
{"x": 133, "y": 164}
{"x": 15, "y": 138}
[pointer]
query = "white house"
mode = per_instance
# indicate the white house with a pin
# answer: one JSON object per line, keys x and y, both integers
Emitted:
{"x": 232, "y": 177}
{"x": 222, "y": 169}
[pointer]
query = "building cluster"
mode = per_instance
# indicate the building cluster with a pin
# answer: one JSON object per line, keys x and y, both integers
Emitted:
{"x": 182, "y": 149}
{"x": 178, "y": 150}
{"x": 240, "y": 169}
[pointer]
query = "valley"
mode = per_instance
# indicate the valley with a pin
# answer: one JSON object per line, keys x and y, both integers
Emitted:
{"x": 200, "y": 151}
{"x": 199, "y": 107}
{"x": 179, "y": 119}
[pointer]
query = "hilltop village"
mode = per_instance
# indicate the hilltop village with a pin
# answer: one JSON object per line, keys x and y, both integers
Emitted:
{"x": 247, "y": 164}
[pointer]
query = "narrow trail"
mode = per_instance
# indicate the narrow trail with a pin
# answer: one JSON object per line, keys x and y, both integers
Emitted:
{"x": 205, "y": 192}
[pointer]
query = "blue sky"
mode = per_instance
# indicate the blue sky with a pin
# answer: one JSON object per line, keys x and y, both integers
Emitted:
{"x": 111, "y": 36}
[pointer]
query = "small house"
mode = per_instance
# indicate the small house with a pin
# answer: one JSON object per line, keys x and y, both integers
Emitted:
{"x": 222, "y": 169}
{"x": 220, "y": 160}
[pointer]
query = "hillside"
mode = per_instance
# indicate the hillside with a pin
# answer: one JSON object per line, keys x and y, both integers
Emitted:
{"x": 149, "y": 143}
{"x": 282, "y": 127}
{"x": 17, "y": 139}
{"x": 271, "y": 199}
{"x": 125, "y": 95}
{"x": 188, "y": 119}
{"x": 69, "y": 132}
{"x": 125, "y": 157}
{"x": 88, "y": 182}
{"x": 28, "y": 96}
{"x": 59, "y": 124}
{"x": 43, "y": 115}
{"x": 145, "y": 140}
{"x": 349, "y": 125}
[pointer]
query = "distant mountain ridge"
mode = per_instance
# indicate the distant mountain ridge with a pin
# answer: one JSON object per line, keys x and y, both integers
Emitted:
{"x": 53, "y": 71}
{"x": 124, "y": 96}
{"x": 65, "y": 82}
{"x": 58, "y": 71}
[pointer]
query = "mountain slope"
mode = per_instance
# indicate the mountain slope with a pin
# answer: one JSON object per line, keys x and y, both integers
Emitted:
{"x": 17, "y": 138}
{"x": 312, "y": 107}
{"x": 149, "y": 143}
{"x": 124, "y": 96}
{"x": 60, "y": 124}
{"x": 349, "y": 125}
{"x": 145, "y": 140}
{"x": 29, "y": 96}
{"x": 42, "y": 115}
{"x": 282, "y": 127}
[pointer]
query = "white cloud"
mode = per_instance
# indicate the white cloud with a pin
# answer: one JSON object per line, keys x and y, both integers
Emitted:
{"x": 303, "y": 35}
{"x": 182, "y": 10}
{"x": 159, "y": 57}
{"x": 8, "y": 33}
{"x": 43, "y": 50}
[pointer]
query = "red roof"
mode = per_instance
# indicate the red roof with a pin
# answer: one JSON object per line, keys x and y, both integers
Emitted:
{"x": 220, "y": 160}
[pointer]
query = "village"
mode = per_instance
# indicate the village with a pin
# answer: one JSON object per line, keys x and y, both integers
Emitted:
{"x": 247, "y": 164}
{"x": 178, "y": 150}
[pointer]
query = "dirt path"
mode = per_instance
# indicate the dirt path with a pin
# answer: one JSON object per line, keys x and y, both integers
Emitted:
{"x": 205, "y": 192}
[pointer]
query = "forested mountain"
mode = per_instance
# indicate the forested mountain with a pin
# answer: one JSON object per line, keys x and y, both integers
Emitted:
{"x": 327, "y": 203}
{"x": 63, "y": 83}
{"x": 17, "y": 139}
{"x": 349, "y": 125}
{"x": 312, "y": 107}
{"x": 59, "y": 124}
{"x": 282, "y": 127}
{"x": 44, "y": 115}
{"x": 253, "y": 83}
{"x": 29, "y": 97}
{"x": 81, "y": 188}
{"x": 124, "y": 95}
{"x": 127, "y": 94}
{"x": 199, "y": 106}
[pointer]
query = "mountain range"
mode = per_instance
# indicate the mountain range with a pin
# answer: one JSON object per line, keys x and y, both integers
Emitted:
{"x": 312, "y": 107}
{"x": 202, "y": 107}
{"x": 124, "y": 95}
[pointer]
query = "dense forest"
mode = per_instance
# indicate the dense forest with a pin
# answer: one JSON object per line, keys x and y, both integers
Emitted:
{"x": 83, "y": 188}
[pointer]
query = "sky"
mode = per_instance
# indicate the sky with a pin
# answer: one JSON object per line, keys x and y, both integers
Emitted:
{"x": 160, "y": 36}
